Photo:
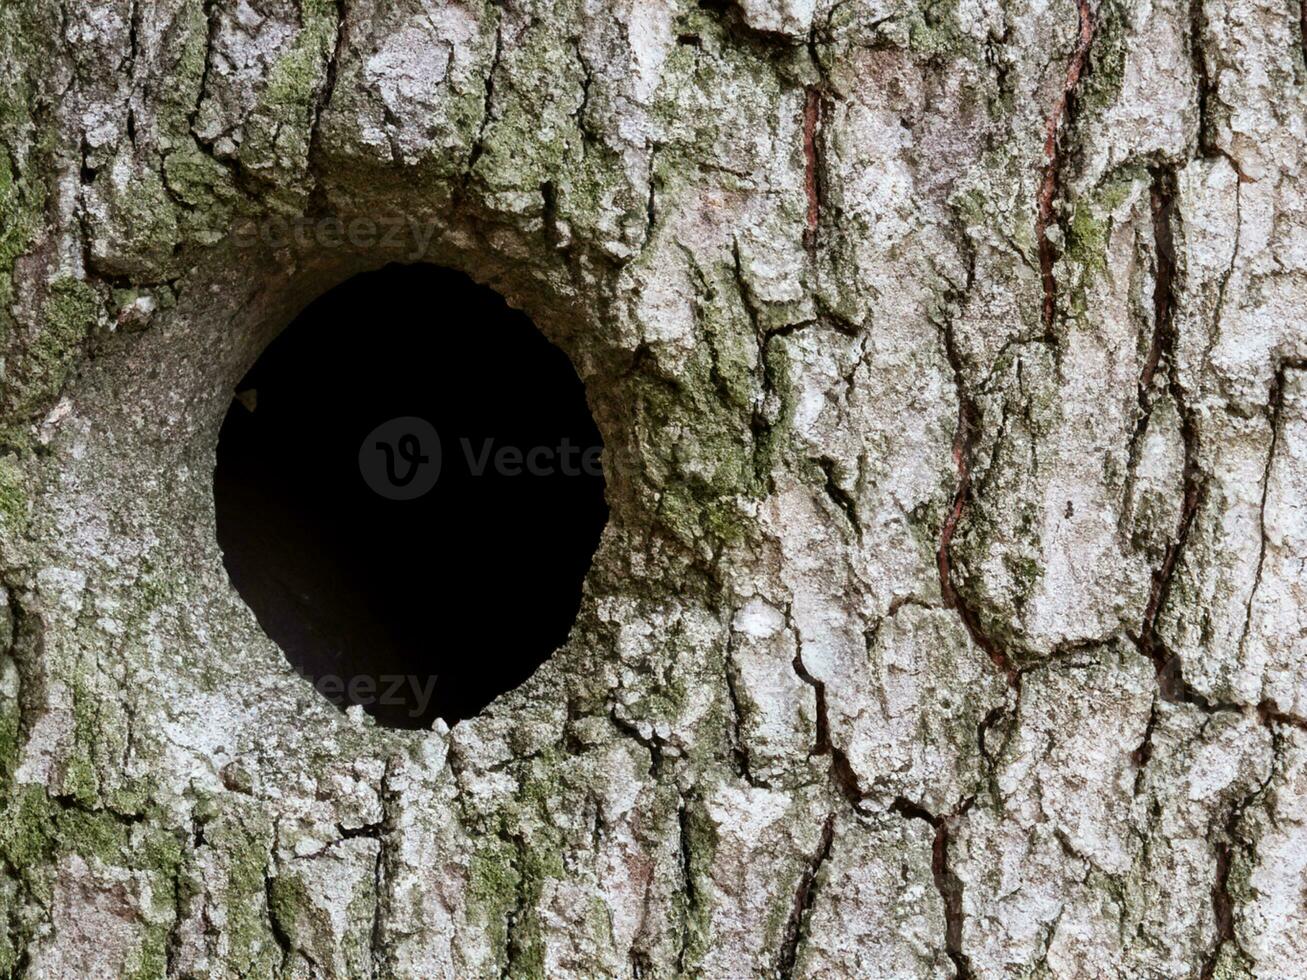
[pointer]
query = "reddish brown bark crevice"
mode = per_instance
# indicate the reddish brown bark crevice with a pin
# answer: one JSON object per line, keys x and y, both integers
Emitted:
{"x": 968, "y": 425}
{"x": 1048, "y": 185}
{"x": 946, "y": 880}
{"x": 811, "y": 121}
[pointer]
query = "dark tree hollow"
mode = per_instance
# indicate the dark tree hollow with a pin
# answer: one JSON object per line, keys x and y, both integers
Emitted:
{"x": 408, "y": 495}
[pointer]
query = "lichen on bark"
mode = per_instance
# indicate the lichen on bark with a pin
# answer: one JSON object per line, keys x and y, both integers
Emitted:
{"x": 949, "y": 362}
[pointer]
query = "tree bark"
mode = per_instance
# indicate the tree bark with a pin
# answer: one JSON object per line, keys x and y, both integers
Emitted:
{"x": 950, "y": 361}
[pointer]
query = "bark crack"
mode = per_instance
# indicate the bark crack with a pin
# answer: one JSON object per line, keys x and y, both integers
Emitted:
{"x": 739, "y": 744}
{"x": 279, "y": 934}
{"x": 691, "y": 889}
{"x": 804, "y": 896}
{"x": 210, "y": 47}
{"x": 841, "y": 770}
{"x": 1048, "y": 187}
{"x": 651, "y": 199}
{"x": 581, "y": 114}
{"x": 1207, "y": 146}
{"x": 1276, "y": 406}
{"x": 1144, "y": 752}
{"x": 846, "y": 504}
{"x": 964, "y": 440}
{"x": 811, "y": 179}
{"x": 1302, "y": 27}
{"x": 478, "y": 144}
{"x": 325, "y": 95}
{"x": 1168, "y": 665}
{"x": 1270, "y": 714}
{"x": 946, "y": 880}
{"x": 652, "y": 742}
{"x": 1223, "y": 904}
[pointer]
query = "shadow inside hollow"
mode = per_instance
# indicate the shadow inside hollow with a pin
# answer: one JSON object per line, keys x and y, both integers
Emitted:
{"x": 433, "y": 606}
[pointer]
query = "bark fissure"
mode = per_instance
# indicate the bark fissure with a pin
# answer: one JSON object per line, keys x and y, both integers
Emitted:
{"x": 1144, "y": 752}
{"x": 1275, "y": 408}
{"x": 323, "y": 100}
{"x": 1207, "y": 145}
{"x": 651, "y": 200}
{"x": 843, "y": 501}
{"x": 283, "y": 940}
{"x": 1270, "y": 714}
{"x": 1169, "y": 668}
{"x": 210, "y": 47}
{"x": 581, "y": 115}
{"x": 487, "y": 103}
{"x": 1302, "y": 28}
{"x": 946, "y": 880}
{"x": 841, "y": 770}
{"x": 515, "y": 946}
{"x": 172, "y": 943}
{"x": 804, "y": 896}
{"x": 690, "y": 903}
{"x": 964, "y": 440}
{"x": 739, "y": 744}
{"x": 811, "y": 174}
{"x": 1223, "y": 902}
{"x": 652, "y": 743}
{"x": 1049, "y": 183}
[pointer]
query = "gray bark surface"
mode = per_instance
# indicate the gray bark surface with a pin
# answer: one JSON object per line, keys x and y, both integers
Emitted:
{"x": 950, "y": 358}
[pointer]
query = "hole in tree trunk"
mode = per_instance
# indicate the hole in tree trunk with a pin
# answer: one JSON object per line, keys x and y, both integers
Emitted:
{"x": 408, "y": 495}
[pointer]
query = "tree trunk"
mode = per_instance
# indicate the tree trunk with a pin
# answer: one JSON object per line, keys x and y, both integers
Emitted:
{"x": 950, "y": 361}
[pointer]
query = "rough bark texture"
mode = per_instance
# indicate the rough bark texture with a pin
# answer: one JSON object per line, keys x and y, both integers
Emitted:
{"x": 951, "y": 363}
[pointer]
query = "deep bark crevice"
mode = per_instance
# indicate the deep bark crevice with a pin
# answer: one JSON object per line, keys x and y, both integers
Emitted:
{"x": 843, "y": 501}
{"x": 479, "y": 143}
{"x": 964, "y": 441}
{"x": 279, "y": 934}
{"x": 690, "y": 904}
{"x": 1168, "y": 665}
{"x": 804, "y": 896}
{"x": 739, "y": 743}
{"x": 841, "y": 770}
{"x": 1226, "y": 846}
{"x": 812, "y": 113}
{"x": 947, "y": 882}
{"x": 1207, "y": 145}
{"x": 320, "y": 104}
{"x": 1049, "y": 183}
